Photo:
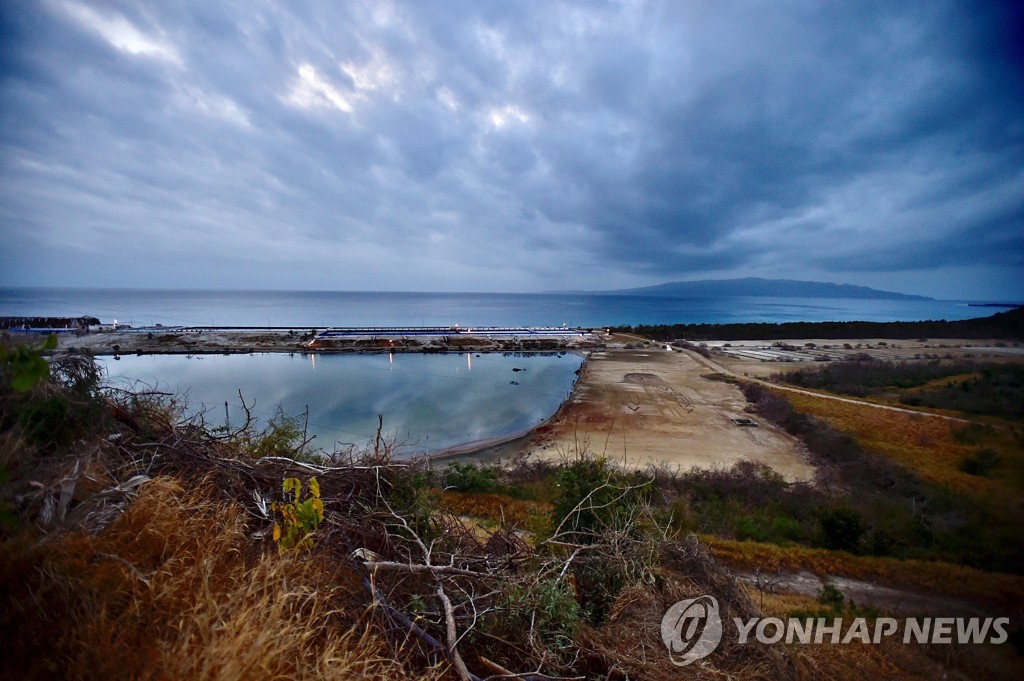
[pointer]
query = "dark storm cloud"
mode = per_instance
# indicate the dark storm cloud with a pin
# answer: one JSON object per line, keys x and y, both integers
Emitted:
{"x": 500, "y": 146}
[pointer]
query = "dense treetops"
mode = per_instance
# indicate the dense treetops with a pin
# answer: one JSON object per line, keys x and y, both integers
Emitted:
{"x": 1006, "y": 325}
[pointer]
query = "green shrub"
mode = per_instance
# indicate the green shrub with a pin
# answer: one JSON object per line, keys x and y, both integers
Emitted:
{"x": 831, "y": 597}
{"x": 411, "y": 496}
{"x": 842, "y": 528}
{"x": 972, "y": 433}
{"x": 301, "y": 514}
{"x": 49, "y": 420}
{"x": 592, "y": 497}
{"x": 468, "y": 477}
{"x": 23, "y": 366}
{"x": 546, "y": 609}
{"x": 981, "y": 462}
{"x": 62, "y": 409}
{"x": 283, "y": 436}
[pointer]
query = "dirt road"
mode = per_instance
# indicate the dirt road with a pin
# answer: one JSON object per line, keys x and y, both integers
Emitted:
{"x": 715, "y": 366}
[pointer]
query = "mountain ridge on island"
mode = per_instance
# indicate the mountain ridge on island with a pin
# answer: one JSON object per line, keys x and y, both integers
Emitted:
{"x": 765, "y": 288}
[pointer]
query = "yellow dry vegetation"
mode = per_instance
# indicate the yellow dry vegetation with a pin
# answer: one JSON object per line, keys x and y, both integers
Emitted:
{"x": 175, "y": 589}
{"x": 498, "y": 508}
{"x": 941, "y": 382}
{"x": 946, "y": 579}
{"x": 924, "y": 444}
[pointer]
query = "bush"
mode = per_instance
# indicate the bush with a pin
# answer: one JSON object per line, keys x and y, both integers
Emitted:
{"x": 842, "y": 528}
{"x": 64, "y": 408}
{"x": 546, "y": 608}
{"x": 22, "y": 367}
{"x": 49, "y": 420}
{"x": 467, "y": 477}
{"x": 300, "y": 513}
{"x": 283, "y": 436}
{"x": 592, "y": 497}
{"x": 831, "y": 597}
{"x": 972, "y": 433}
{"x": 981, "y": 462}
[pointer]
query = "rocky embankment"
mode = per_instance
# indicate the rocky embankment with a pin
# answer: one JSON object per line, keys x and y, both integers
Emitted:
{"x": 230, "y": 342}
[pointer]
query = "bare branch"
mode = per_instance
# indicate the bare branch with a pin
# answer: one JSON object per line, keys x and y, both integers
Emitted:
{"x": 432, "y": 569}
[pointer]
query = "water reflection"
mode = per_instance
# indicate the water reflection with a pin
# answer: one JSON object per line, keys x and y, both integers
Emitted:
{"x": 429, "y": 402}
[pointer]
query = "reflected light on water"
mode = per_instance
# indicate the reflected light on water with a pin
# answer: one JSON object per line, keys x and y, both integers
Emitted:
{"x": 424, "y": 403}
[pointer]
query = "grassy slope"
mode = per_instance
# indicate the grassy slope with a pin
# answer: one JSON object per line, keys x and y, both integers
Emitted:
{"x": 926, "y": 445}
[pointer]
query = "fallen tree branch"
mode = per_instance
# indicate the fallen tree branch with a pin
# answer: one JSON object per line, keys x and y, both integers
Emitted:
{"x": 452, "y": 635}
{"x": 414, "y": 568}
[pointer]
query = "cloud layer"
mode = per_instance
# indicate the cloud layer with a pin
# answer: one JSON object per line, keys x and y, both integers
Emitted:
{"x": 512, "y": 146}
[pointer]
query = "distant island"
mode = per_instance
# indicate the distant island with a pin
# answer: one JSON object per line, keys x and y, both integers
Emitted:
{"x": 766, "y": 288}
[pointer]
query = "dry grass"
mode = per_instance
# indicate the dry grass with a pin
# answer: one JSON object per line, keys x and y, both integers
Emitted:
{"x": 176, "y": 590}
{"x": 894, "y": 660}
{"x": 945, "y": 579}
{"x": 924, "y": 444}
{"x": 497, "y": 508}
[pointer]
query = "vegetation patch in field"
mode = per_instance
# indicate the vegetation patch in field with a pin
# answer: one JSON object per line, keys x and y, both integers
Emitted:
{"x": 984, "y": 389}
{"x": 890, "y": 483}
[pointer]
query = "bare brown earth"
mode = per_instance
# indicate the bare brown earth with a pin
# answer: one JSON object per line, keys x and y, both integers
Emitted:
{"x": 653, "y": 406}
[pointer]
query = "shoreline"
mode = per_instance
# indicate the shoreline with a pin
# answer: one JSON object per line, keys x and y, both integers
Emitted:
{"x": 668, "y": 408}
{"x": 649, "y": 405}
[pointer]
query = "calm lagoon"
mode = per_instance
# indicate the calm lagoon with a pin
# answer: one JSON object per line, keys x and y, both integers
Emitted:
{"x": 430, "y": 402}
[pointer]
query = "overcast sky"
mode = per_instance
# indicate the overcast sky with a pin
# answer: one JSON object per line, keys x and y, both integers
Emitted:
{"x": 512, "y": 146}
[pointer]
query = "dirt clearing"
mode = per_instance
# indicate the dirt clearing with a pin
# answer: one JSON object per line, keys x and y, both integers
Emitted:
{"x": 656, "y": 406}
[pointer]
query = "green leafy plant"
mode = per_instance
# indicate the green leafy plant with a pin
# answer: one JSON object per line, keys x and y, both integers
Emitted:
{"x": 546, "y": 607}
{"x": 300, "y": 516}
{"x": 283, "y": 436}
{"x": 831, "y": 597}
{"x": 467, "y": 477}
{"x": 593, "y": 497}
{"x": 842, "y": 528}
{"x": 59, "y": 401}
{"x": 25, "y": 365}
{"x": 413, "y": 497}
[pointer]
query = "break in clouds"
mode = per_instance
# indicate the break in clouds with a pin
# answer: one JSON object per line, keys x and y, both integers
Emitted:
{"x": 512, "y": 146}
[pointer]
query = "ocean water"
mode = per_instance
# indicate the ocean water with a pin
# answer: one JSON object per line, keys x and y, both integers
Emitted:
{"x": 143, "y": 307}
{"x": 428, "y": 402}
